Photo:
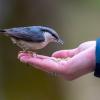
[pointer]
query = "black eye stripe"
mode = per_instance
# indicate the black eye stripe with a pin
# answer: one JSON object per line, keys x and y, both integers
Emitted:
{"x": 44, "y": 30}
{"x": 54, "y": 36}
{"x": 2, "y": 30}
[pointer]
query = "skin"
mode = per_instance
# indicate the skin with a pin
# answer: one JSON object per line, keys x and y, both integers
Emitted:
{"x": 81, "y": 62}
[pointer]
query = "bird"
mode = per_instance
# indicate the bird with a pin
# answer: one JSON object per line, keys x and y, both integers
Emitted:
{"x": 32, "y": 38}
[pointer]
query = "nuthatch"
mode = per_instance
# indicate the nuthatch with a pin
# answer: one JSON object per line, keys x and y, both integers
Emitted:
{"x": 32, "y": 38}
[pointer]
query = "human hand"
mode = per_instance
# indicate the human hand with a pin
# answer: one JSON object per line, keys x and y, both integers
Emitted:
{"x": 82, "y": 61}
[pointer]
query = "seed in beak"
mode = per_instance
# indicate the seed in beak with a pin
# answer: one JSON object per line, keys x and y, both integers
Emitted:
{"x": 60, "y": 42}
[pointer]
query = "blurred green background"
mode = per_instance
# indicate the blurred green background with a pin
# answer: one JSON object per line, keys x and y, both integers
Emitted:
{"x": 76, "y": 21}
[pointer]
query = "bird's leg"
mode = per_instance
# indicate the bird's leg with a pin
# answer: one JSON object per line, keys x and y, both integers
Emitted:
{"x": 33, "y": 54}
{"x": 25, "y": 51}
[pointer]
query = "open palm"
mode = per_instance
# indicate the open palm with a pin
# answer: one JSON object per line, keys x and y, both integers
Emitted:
{"x": 82, "y": 61}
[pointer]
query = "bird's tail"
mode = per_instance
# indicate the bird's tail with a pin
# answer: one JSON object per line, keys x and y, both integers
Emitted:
{"x": 2, "y": 31}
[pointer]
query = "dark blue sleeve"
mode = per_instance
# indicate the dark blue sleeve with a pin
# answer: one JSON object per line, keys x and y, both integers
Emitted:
{"x": 97, "y": 53}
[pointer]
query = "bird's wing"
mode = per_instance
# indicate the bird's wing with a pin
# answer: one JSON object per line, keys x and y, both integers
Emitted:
{"x": 26, "y": 33}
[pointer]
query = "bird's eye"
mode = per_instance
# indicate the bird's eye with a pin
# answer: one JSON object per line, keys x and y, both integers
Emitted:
{"x": 51, "y": 32}
{"x": 55, "y": 36}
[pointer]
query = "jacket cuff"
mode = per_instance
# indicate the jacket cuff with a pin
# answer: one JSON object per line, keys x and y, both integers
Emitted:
{"x": 97, "y": 53}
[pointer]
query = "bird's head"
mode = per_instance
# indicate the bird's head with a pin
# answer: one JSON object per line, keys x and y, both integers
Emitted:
{"x": 51, "y": 35}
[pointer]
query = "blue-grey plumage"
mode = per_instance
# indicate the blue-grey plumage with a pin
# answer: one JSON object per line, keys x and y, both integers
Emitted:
{"x": 32, "y": 37}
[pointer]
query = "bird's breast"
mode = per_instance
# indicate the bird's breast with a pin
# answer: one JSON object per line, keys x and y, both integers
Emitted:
{"x": 29, "y": 45}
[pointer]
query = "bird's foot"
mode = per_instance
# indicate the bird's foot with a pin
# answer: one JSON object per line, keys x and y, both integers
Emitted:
{"x": 34, "y": 54}
{"x": 31, "y": 53}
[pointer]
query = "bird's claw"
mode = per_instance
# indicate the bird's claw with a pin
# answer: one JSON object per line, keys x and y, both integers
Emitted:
{"x": 31, "y": 53}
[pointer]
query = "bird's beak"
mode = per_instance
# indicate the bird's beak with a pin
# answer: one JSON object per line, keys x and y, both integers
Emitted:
{"x": 60, "y": 42}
